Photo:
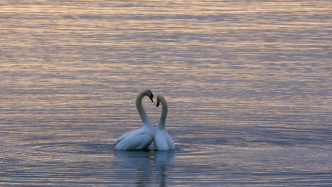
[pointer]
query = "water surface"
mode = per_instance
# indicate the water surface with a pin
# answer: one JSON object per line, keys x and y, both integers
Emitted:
{"x": 248, "y": 85}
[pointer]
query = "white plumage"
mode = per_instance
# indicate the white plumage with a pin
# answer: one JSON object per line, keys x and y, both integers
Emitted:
{"x": 162, "y": 140}
{"x": 140, "y": 138}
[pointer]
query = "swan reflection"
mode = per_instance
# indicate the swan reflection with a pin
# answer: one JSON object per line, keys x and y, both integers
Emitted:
{"x": 161, "y": 161}
{"x": 141, "y": 161}
{"x": 146, "y": 163}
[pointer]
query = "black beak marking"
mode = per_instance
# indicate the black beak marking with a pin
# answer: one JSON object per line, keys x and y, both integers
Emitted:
{"x": 157, "y": 103}
{"x": 151, "y": 97}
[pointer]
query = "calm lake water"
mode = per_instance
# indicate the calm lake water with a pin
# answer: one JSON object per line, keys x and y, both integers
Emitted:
{"x": 248, "y": 85}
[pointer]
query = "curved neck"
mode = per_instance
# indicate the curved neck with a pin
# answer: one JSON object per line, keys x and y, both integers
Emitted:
{"x": 164, "y": 110}
{"x": 141, "y": 111}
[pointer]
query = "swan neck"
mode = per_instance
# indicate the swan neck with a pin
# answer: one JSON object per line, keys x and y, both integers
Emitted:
{"x": 164, "y": 111}
{"x": 141, "y": 111}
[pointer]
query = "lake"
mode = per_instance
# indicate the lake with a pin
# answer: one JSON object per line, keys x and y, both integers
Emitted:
{"x": 248, "y": 85}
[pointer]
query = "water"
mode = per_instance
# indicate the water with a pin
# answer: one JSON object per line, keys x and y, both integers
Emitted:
{"x": 248, "y": 84}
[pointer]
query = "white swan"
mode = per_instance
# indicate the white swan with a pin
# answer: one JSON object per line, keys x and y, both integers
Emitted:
{"x": 139, "y": 138}
{"x": 162, "y": 140}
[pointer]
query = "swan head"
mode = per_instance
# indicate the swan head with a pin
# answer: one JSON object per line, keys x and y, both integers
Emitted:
{"x": 148, "y": 93}
{"x": 159, "y": 98}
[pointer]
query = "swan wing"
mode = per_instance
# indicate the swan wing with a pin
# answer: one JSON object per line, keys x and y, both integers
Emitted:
{"x": 170, "y": 142}
{"x": 163, "y": 141}
{"x": 122, "y": 137}
{"x": 136, "y": 140}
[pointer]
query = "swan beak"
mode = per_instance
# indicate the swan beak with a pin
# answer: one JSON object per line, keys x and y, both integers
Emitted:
{"x": 157, "y": 103}
{"x": 151, "y": 97}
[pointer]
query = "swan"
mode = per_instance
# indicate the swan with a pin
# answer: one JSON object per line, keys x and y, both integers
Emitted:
{"x": 162, "y": 140}
{"x": 140, "y": 138}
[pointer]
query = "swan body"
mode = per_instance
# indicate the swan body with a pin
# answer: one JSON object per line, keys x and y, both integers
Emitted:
{"x": 140, "y": 138}
{"x": 162, "y": 140}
